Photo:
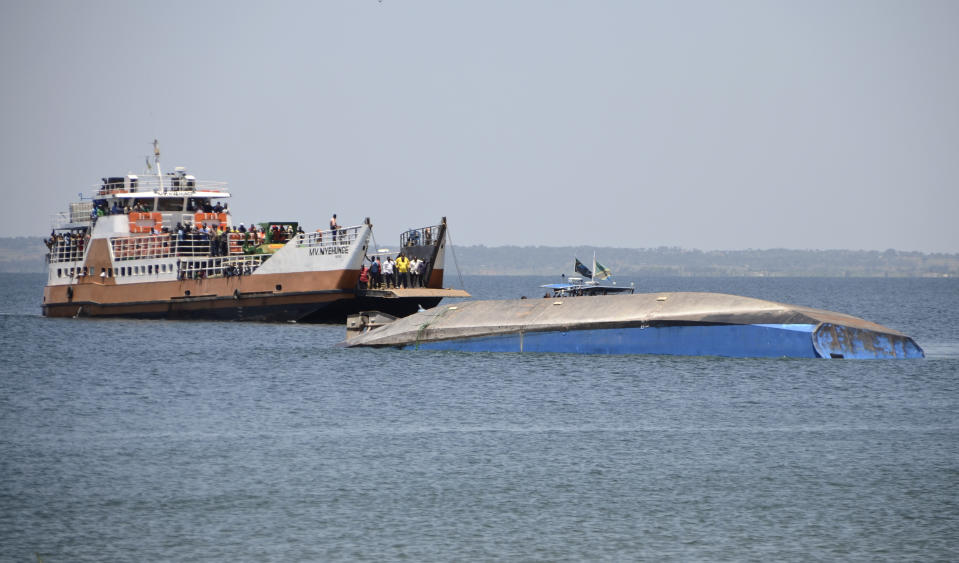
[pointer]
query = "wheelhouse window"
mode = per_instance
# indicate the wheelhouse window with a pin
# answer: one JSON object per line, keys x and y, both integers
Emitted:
{"x": 170, "y": 204}
{"x": 198, "y": 204}
{"x": 145, "y": 203}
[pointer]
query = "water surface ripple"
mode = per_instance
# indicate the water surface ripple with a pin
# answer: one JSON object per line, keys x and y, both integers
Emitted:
{"x": 171, "y": 441}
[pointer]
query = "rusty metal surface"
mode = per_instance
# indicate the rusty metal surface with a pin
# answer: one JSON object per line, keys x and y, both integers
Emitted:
{"x": 839, "y": 341}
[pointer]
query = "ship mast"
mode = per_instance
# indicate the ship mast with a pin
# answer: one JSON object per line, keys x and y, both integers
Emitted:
{"x": 156, "y": 162}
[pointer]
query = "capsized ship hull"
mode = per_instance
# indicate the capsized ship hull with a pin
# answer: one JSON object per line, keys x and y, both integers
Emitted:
{"x": 695, "y": 324}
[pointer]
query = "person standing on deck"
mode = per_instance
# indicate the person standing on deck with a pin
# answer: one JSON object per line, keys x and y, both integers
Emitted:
{"x": 420, "y": 272}
{"x": 403, "y": 270}
{"x": 415, "y": 272}
{"x": 364, "y": 277}
{"x": 375, "y": 272}
{"x": 388, "y": 272}
{"x": 333, "y": 226}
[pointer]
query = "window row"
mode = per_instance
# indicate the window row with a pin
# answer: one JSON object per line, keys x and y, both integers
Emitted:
{"x": 122, "y": 271}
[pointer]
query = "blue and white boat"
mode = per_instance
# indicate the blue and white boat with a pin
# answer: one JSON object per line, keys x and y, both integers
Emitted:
{"x": 581, "y": 287}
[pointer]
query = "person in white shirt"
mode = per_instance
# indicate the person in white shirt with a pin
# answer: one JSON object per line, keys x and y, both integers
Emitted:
{"x": 388, "y": 272}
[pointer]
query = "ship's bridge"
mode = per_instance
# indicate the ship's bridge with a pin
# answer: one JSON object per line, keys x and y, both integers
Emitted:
{"x": 174, "y": 192}
{"x": 155, "y": 201}
{"x": 172, "y": 185}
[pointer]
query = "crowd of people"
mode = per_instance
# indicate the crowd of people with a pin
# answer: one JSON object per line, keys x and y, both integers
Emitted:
{"x": 217, "y": 239}
{"x": 67, "y": 241}
{"x": 101, "y": 207}
{"x": 393, "y": 274}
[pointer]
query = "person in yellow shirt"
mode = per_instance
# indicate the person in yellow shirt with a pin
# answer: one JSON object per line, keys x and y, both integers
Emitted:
{"x": 402, "y": 266}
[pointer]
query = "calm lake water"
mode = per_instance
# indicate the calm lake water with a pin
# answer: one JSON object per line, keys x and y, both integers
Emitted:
{"x": 183, "y": 441}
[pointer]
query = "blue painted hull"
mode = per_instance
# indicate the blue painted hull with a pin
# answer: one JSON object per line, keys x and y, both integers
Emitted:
{"x": 739, "y": 341}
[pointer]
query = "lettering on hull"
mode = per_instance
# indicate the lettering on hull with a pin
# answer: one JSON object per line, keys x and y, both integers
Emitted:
{"x": 323, "y": 251}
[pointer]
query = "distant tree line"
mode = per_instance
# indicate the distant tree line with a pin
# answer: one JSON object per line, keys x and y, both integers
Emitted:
{"x": 26, "y": 254}
{"x": 547, "y": 260}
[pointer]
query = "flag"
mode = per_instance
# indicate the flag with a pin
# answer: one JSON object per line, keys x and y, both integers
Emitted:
{"x": 602, "y": 272}
{"x": 580, "y": 268}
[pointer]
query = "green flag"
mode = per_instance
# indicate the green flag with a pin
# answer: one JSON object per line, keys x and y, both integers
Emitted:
{"x": 601, "y": 272}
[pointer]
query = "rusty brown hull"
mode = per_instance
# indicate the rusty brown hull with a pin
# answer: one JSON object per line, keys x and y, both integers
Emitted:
{"x": 273, "y": 297}
{"x": 266, "y": 298}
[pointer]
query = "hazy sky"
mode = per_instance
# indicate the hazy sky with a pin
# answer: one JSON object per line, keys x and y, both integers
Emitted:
{"x": 710, "y": 125}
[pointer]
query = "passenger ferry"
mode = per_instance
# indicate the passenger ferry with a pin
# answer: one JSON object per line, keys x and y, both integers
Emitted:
{"x": 166, "y": 246}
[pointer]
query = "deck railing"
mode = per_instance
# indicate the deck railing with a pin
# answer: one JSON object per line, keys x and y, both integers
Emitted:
{"x": 227, "y": 266}
{"x": 170, "y": 245}
{"x": 328, "y": 239}
{"x": 66, "y": 250}
{"x": 167, "y": 245}
{"x": 422, "y": 236}
{"x": 154, "y": 184}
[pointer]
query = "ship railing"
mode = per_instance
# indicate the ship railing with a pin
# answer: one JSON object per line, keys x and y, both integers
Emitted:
{"x": 67, "y": 220}
{"x": 188, "y": 245}
{"x": 167, "y": 184}
{"x": 219, "y": 267}
{"x": 421, "y": 236}
{"x": 328, "y": 238}
{"x": 66, "y": 250}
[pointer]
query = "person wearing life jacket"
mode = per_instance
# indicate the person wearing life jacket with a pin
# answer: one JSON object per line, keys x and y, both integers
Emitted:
{"x": 364, "y": 277}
